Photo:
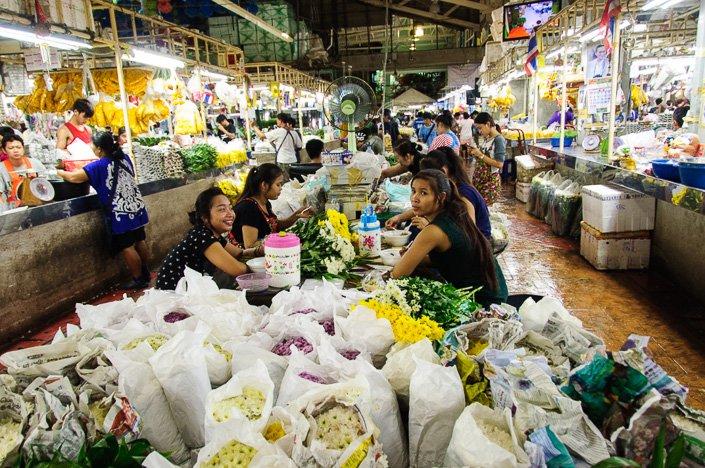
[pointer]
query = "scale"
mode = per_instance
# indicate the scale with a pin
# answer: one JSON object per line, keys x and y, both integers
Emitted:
{"x": 591, "y": 142}
{"x": 39, "y": 188}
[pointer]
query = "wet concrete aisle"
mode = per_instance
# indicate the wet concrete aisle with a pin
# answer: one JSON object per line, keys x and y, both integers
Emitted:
{"x": 611, "y": 304}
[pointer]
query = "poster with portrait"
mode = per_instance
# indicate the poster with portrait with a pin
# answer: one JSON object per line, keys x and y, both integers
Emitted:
{"x": 597, "y": 61}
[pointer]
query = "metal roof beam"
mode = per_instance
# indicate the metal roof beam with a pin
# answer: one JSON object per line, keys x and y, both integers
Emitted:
{"x": 471, "y": 4}
{"x": 424, "y": 14}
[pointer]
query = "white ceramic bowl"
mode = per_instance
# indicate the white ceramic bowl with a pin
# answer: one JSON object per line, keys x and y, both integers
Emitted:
{"x": 257, "y": 265}
{"x": 390, "y": 257}
{"x": 396, "y": 238}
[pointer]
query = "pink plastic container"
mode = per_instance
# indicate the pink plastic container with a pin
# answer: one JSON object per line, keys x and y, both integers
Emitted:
{"x": 282, "y": 259}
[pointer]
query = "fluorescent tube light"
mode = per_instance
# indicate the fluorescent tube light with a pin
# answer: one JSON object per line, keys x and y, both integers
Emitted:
{"x": 51, "y": 40}
{"x": 640, "y": 27}
{"x": 670, "y": 3}
{"x": 154, "y": 59}
{"x": 210, "y": 74}
{"x": 654, "y": 4}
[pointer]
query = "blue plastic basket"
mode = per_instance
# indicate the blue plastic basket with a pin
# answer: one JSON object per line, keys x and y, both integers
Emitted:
{"x": 666, "y": 169}
{"x": 692, "y": 174}
{"x": 567, "y": 141}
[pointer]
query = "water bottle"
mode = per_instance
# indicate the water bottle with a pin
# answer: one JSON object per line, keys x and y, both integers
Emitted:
{"x": 370, "y": 232}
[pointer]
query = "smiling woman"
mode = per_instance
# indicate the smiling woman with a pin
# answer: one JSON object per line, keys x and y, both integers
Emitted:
{"x": 204, "y": 249}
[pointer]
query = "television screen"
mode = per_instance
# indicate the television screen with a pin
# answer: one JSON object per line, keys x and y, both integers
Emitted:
{"x": 521, "y": 19}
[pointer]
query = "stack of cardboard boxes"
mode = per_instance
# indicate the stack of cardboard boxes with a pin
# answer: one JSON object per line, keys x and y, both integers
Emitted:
{"x": 616, "y": 228}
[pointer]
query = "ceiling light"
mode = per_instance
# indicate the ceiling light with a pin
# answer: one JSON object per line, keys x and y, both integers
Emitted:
{"x": 640, "y": 27}
{"x": 147, "y": 57}
{"x": 670, "y": 3}
{"x": 418, "y": 32}
{"x": 654, "y": 4}
{"x": 52, "y": 40}
{"x": 210, "y": 74}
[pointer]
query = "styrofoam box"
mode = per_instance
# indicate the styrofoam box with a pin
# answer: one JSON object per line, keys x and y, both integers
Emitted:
{"x": 610, "y": 208}
{"x": 615, "y": 251}
{"x": 522, "y": 191}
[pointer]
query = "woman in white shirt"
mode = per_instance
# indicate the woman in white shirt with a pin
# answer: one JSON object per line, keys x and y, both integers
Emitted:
{"x": 286, "y": 141}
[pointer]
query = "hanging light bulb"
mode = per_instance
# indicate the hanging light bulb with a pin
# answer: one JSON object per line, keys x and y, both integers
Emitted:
{"x": 419, "y": 31}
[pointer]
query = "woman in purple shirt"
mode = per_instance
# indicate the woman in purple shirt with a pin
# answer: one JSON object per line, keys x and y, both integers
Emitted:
{"x": 556, "y": 117}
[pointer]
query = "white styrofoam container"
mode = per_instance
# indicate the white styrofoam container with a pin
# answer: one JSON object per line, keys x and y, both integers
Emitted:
{"x": 609, "y": 208}
{"x": 616, "y": 251}
{"x": 522, "y": 191}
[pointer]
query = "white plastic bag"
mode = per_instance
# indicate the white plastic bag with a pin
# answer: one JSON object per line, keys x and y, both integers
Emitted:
{"x": 436, "y": 399}
{"x": 363, "y": 328}
{"x": 475, "y": 437}
{"x": 384, "y": 408}
{"x": 287, "y": 430}
{"x": 353, "y": 395}
{"x": 266, "y": 456}
{"x": 534, "y": 315}
{"x": 138, "y": 383}
{"x": 255, "y": 378}
{"x": 245, "y": 355}
{"x": 113, "y": 314}
{"x": 303, "y": 375}
{"x": 180, "y": 367}
{"x": 402, "y": 361}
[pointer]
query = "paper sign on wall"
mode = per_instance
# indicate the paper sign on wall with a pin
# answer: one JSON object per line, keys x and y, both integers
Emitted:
{"x": 35, "y": 62}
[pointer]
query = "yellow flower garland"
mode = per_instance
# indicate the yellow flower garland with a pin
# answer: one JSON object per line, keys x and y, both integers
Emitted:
{"x": 406, "y": 328}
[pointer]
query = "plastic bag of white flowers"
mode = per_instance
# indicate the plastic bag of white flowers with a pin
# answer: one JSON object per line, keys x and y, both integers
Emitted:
{"x": 247, "y": 398}
{"x": 384, "y": 407}
{"x": 237, "y": 445}
{"x": 485, "y": 437}
{"x": 342, "y": 432}
{"x": 13, "y": 418}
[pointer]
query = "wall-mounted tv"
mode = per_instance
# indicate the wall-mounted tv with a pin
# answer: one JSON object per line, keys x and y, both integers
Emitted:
{"x": 521, "y": 19}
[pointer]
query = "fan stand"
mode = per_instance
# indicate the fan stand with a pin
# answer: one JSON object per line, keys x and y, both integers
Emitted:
{"x": 352, "y": 137}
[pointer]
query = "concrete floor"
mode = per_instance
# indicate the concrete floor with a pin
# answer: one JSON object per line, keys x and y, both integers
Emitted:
{"x": 611, "y": 304}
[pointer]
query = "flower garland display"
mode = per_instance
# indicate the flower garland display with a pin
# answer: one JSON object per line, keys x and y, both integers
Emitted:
{"x": 406, "y": 328}
{"x": 441, "y": 302}
{"x": 327, "y": 246}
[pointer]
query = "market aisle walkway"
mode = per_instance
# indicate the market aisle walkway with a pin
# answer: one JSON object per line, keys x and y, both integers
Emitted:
{"x": 610, "y": 304}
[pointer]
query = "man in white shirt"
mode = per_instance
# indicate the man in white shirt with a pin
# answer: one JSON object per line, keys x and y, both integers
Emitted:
{"x": 286, "y": 141}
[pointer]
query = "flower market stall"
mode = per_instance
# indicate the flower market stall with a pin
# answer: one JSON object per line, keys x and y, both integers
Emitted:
{"x": 399, "y": 373}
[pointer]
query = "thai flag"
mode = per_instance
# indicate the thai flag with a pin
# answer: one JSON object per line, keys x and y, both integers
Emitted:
{"x": 531, "y": 59}
{"x": 609, "y": 15}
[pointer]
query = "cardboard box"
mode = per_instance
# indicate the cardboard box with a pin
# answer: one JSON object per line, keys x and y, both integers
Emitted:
{"x": 522, "y": 191}
{"x": 611, "y": 208}
{"x": 615, "y": 251}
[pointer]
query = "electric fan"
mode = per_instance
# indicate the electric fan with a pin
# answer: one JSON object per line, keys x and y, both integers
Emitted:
{"x": 349, "y": 100}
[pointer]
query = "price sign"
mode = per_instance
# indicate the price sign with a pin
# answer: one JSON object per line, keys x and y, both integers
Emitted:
{"x": 35, "y": 62}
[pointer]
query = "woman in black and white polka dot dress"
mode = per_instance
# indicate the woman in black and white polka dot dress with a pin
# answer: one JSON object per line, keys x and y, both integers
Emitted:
{"x": 204, "y": 249}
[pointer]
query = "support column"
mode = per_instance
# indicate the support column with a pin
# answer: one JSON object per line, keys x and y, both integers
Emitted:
{"x": 123, "y": 92}
{"x": 615, "y": 85}
{"x": 564, "y": 96}
{"x": 697, "y": 86}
